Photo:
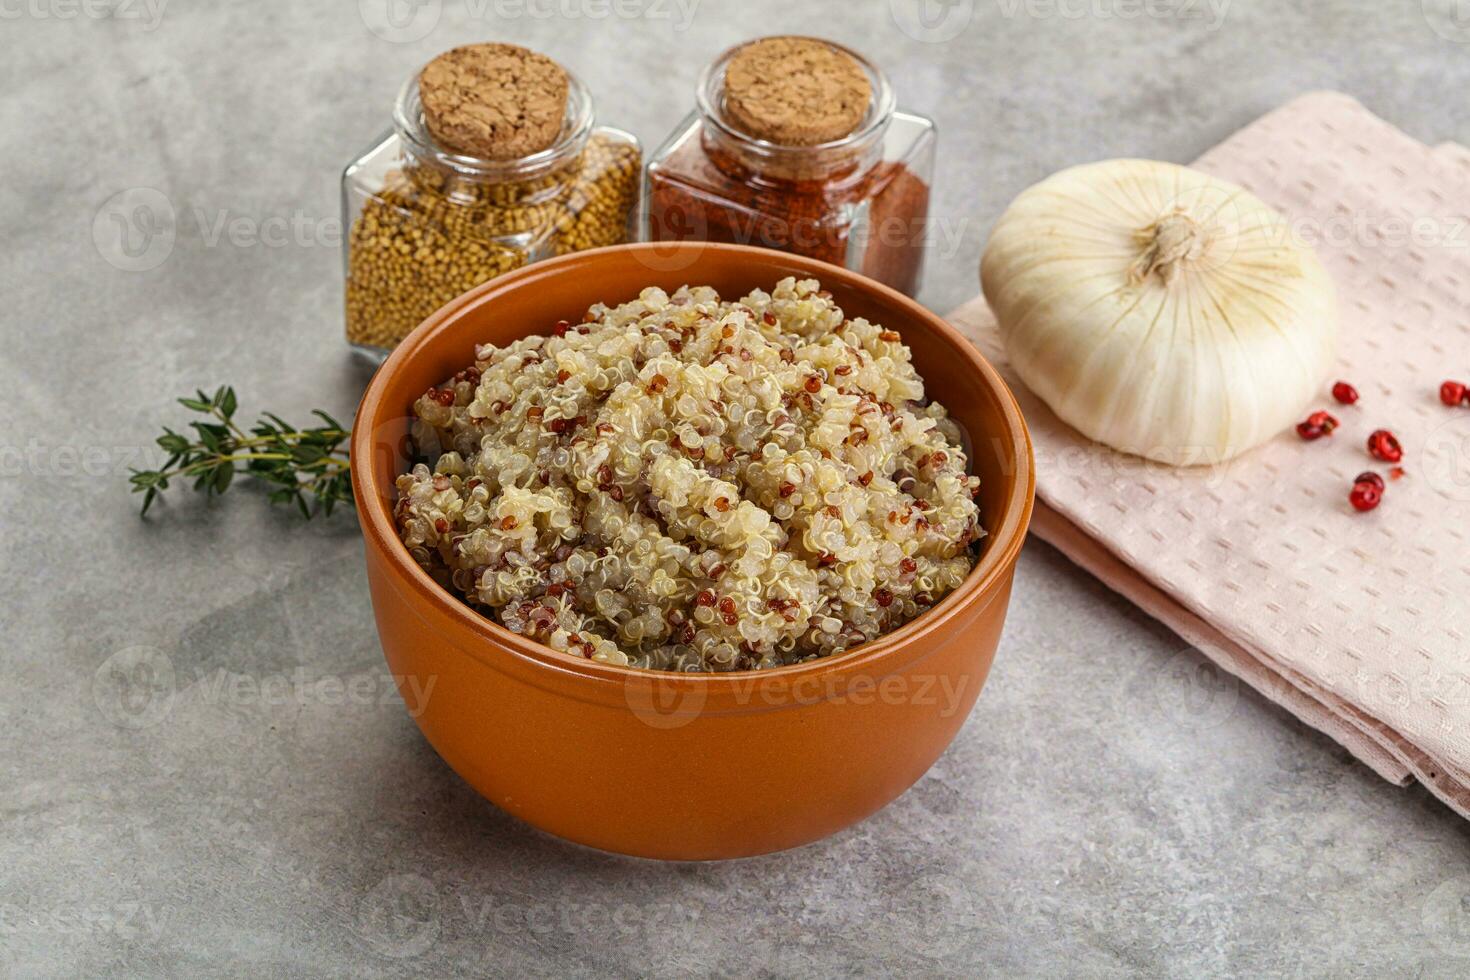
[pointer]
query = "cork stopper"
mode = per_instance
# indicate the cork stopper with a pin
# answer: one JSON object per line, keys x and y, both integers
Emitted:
{"x": 494, "y": 101}
{"x": 796, "y": 91}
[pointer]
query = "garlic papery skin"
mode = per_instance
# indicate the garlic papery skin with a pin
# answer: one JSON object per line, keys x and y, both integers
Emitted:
{"x": 1160, "y": 311}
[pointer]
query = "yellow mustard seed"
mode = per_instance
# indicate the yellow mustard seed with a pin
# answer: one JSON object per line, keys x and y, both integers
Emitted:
{"x": 427, "y": 236}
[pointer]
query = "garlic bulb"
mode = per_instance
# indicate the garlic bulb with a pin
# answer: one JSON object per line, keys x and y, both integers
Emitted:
{"x": 1159, "y": 310}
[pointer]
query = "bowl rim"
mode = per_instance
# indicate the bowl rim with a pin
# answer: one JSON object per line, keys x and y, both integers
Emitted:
{"x": 995, "y": 562}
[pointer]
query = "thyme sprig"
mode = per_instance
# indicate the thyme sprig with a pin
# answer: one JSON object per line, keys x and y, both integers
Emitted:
{"x": 298, "y": 463}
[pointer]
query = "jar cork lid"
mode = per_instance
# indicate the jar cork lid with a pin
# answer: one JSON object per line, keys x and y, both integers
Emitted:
{"x": 796, "y": 91}
{"x": 494, "y": 101}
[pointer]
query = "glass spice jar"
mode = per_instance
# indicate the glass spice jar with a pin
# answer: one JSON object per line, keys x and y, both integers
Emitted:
{"x": 860, "y": 200}
{"x": 427, "y": 223}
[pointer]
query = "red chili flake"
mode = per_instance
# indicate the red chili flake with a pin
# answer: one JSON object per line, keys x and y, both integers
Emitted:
{"x": 883, "y": 597}
{"x": 1452, "y": 393}
{"x": 657, "y": 383}
{"x": 813, "y": 384}
{"x": 722, "y": 504}
{"x": 508, "y": 523}
{"x": 1345, "y": 393}
{"x": 705, "y": 598}
{"x": 787, "y": 489}
{"x": 1383, "y": 445}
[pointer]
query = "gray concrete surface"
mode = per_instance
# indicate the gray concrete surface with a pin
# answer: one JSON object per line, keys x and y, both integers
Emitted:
{"x": 1111, "y": 808}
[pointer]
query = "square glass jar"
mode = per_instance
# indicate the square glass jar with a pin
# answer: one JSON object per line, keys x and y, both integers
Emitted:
{"x": 424, "y": 225}
{"x": 861, "y": 201}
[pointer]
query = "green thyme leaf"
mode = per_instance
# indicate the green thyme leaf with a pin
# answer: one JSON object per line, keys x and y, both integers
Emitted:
{"x": 306, "y": 466}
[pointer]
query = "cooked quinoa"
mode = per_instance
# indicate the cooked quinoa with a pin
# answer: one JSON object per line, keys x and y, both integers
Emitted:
{"x": 684, "y": 483}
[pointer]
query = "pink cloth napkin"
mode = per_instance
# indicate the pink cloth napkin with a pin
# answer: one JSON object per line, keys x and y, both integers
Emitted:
{"x": 1358, "y": 624}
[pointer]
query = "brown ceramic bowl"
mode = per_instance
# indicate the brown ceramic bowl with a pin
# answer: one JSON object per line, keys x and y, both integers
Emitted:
{"x": 685, "y": 766}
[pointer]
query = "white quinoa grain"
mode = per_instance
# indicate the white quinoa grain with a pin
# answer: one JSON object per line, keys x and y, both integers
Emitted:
{"x": 688, "y": 486}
